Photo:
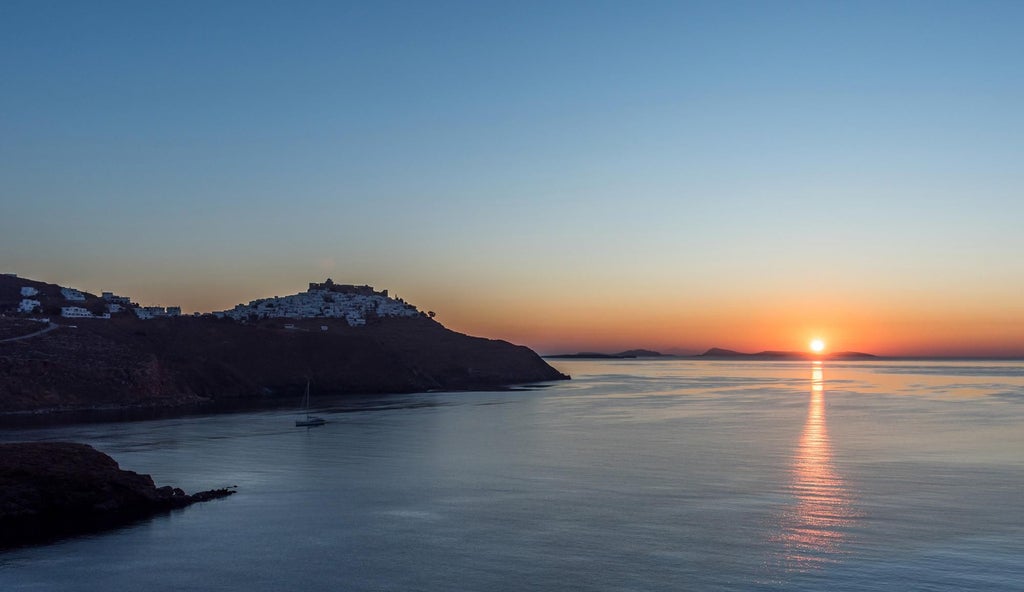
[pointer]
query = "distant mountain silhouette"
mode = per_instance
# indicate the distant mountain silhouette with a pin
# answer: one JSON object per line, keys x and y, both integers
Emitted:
{"x": 626, "y": 355}
{"x": 640, "y": 353}
{"x": 718, "y": 352}
{"x": 590, "y": 356}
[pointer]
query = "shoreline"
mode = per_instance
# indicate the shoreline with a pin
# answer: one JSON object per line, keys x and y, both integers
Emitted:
{"x": 808, "y": 358}
{"x": 47, "y": 417}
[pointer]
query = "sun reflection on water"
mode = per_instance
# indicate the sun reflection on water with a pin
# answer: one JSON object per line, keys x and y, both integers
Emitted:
{"x": 813, "y": 529}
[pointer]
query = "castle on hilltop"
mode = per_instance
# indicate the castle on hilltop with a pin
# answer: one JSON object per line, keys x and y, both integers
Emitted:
{"x": 330, "y": 286}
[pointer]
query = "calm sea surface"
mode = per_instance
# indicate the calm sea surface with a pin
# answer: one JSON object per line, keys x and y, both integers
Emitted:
{"x": 636, "y": 475}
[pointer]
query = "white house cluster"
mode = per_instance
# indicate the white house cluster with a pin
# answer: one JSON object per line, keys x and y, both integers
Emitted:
{"x": 113, "y": 304}
{"x": 355, "y": 304}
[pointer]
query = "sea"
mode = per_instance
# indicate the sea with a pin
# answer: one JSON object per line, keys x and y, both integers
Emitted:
{"x": 646, "y": 475}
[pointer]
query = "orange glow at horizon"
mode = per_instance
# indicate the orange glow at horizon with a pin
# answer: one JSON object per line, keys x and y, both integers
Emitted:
{"x": 592, "y": 315}
{"x": 817, "y": 346}
{"x": 552, "y": 326}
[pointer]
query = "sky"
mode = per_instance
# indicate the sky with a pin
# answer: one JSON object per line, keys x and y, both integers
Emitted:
{"x": 565, "y": 175}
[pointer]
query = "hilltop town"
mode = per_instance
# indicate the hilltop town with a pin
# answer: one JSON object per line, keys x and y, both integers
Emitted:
{"x": 328, "y": 300}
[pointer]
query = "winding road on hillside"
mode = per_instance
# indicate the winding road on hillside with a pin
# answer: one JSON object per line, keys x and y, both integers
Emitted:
{"x": 49, "y": 328}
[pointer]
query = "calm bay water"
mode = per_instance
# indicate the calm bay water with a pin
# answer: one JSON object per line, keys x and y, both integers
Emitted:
{"x": 636, "y": 475}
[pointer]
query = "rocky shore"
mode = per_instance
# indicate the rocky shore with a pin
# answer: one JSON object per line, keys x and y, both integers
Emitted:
{"x": 54, "y": 489}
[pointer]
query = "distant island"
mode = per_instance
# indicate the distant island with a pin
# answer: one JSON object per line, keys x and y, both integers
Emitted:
{"x": 716, "y": 353}
{"x": 65, "y": 349}
{"x": 720, "y": 353}
{"x": 625, "y": 355}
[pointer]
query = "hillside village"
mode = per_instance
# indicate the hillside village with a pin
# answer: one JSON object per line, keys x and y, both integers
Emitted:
{"x": 70, "y": 303}
{"x": 354, "y": 304}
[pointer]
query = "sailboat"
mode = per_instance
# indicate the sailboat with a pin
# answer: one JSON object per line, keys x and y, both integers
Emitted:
{"x": 311, "y": 420}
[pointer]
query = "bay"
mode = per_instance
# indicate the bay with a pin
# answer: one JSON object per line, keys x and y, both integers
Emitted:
{"x": 635, "y": 475}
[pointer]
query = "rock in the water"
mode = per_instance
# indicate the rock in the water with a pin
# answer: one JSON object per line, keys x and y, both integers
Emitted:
{"x": 51, "y": 489}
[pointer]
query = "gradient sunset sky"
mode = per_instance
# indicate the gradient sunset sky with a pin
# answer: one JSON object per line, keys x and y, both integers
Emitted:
{"x": 565, "y": 175}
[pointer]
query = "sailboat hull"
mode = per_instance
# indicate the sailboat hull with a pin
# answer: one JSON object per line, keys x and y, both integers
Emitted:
{"x": 310, "y": 422}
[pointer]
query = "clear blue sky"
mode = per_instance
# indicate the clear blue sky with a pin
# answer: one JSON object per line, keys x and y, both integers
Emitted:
{"x": 606, "y": 160}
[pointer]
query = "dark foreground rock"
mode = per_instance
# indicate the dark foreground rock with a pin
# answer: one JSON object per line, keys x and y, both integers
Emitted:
{"x": 54, "y": 489}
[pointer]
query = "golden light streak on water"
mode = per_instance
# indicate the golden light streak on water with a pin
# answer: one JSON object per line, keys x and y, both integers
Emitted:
{"x": 813, "y": 530}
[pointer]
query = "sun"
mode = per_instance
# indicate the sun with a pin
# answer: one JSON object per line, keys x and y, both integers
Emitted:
{"x": 817, "y": 346}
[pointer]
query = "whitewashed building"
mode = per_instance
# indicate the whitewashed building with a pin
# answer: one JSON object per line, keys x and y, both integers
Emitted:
{"x": 111, "y": 297}
{"x": 72, "y": 294}
{"x": 148, "y": 312}
{"x": 28, "y": 305}
{"x": 27, "y": 291}
{"x": 152, "y": 312}
{"x": 75, "y": 312}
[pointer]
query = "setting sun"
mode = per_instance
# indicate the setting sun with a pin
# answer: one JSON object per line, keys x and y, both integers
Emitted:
{"x": 817, "y": 346}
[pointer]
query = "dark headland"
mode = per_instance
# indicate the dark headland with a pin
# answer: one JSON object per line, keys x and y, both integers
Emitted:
{"x": 54, "y": 489}
{"x": 248, "y": 355}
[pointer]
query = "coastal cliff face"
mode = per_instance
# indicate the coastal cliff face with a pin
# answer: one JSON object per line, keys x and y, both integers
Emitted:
{"x": 127, "y": 362}
{"x": 50, "y": 489}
